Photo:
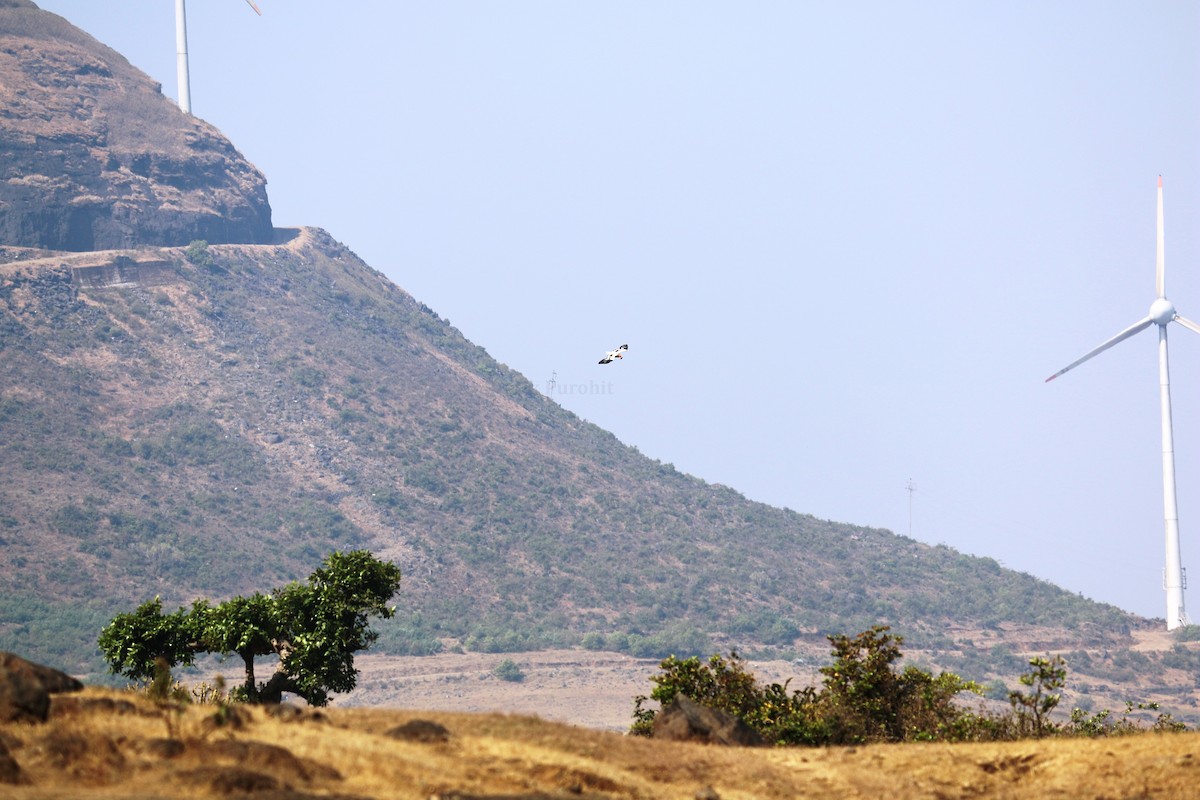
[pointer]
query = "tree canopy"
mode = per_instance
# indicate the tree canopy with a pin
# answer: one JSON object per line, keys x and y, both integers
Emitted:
{"x": 314, "y": 628}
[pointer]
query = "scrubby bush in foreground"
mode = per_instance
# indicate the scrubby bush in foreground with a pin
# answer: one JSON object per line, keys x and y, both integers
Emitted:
{"x": 864, "y": 698}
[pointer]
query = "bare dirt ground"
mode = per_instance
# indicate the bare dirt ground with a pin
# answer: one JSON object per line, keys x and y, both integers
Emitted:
{"x": 597, "y": 690}
{"x": 578, "y": 687}
{"x": 105, "y": 745}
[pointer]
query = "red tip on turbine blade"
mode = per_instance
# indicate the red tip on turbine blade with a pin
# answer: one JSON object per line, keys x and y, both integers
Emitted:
{"x": 1160, "y": 181}
{"x": 1052, "y": 377}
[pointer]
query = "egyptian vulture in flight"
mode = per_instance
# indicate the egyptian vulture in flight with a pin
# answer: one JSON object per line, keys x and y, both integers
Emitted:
{"x": 611, "y": 355}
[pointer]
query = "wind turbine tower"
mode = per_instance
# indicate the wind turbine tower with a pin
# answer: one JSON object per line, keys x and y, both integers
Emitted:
{"x": 181, "y": 54}
{"x": 1162, "y": 312}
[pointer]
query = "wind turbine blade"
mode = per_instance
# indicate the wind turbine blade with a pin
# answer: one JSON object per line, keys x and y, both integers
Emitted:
{"x": 1187, "y": 323}
{"x": 251, "y": 2}
{"x": 1120, "y": 337}
{"x": 1160, "y": 278}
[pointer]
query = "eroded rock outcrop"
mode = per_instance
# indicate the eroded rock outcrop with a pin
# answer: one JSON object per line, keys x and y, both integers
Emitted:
{"x": 685, "y": 720}
{"x": 96, "y": 157}
{"x": 25, "y": 688}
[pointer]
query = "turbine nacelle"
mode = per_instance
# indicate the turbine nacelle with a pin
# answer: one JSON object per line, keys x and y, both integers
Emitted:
{"x": 1162, "y": 311}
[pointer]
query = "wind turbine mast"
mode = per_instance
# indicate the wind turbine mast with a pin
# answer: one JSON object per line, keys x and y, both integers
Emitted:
{"x": 181, "y": 58}
{"x": 1173, "y": 576}
{"x": 181, "y": 54}
{"x": 1162, "y": 313}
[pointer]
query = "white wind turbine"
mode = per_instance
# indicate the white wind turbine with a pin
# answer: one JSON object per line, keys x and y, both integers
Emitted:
{"x": 181, "y": 54}
{"x": 1162, "y": 312}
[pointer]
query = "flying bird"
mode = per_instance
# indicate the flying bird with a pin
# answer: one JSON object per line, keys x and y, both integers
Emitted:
{"x": 611, "y": 355}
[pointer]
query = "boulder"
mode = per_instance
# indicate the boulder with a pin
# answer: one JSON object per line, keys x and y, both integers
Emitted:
{"x": 420, "y": 730}
{"x": 10, "y": 770}
{"x": 685, "y": 720}
{"x": 25, "y": 688}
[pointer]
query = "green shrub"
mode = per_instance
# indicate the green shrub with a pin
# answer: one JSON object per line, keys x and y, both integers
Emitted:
{"x": 198, "y": 254}
{"x": 1188, "y": 633}
{"x": 677, "y": 640}
{"x": 507, "y": 670}
{"x": 309, "y": 377}
{"x": 72, "y": 520}
{"x": 593, "y": 641}
{"x": 719, "y": 683}
{"x": 866, "y": 699}
{"x": 506, "y": 640}
{"x": 863, "y": 698}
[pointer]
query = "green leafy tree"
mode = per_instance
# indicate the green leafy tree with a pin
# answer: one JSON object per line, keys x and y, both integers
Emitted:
{"x": 929, "y": 711}
{"x": 314, "y": 628}
{"x": 324, "y": 623}
{"x": 866, "y": 699}
{"x": 1044, "y": 679}
{"x": 133, "y": 643}
{"x": 861, "y": 691}
{"x": 245, "y": 626}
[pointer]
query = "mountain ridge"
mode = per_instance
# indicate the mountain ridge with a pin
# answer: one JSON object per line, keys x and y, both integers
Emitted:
{"x": 492, "y": 455}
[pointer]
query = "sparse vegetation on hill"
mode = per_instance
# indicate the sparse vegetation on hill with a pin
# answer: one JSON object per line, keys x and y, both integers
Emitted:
{"x": 227, "y": 428}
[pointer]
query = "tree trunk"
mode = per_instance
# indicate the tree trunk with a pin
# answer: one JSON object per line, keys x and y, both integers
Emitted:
{"x": 273, "y": 689}
{"x": 251, "y": 688}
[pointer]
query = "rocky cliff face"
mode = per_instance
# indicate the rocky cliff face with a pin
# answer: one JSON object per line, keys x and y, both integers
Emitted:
{"x": 96, "y": 157}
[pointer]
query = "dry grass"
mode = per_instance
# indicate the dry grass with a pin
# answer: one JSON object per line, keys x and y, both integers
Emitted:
{"x": 107, "y": 745}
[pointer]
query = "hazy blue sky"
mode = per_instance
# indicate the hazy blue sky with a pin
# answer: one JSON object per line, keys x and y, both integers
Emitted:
{"x": 845, "y": 242}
